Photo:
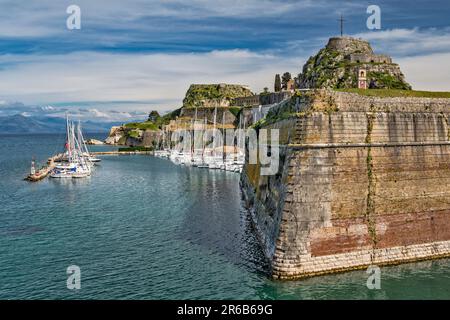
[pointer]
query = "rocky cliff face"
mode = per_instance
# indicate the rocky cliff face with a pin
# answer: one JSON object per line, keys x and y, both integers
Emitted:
{"x": 337, "y": 65}
{"x": 133, "y": 137}
{"x": 116, "y": 134}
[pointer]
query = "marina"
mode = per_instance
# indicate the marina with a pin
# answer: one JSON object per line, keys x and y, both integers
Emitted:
{"x": 74, "y": 162}
{"x": 203, "y": 147}
{"x": 143, "y": 224}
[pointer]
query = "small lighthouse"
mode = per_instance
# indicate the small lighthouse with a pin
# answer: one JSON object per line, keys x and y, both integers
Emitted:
{"x": 33, "y": 167}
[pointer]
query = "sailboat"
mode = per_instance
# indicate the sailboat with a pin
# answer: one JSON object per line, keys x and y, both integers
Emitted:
{"x": 201, "y": 159}
{"x": 76, "y": 164}
{"x": 212, "y": 160}
{"x": 83, "y": 145}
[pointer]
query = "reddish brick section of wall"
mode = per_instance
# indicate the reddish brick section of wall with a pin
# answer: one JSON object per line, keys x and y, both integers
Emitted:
{"x": 414, "y": 228}
{"x": 393, "y": 230}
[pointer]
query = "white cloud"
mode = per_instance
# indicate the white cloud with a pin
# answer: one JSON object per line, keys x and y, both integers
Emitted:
{"x": 430, "y": 72}
{"x": 408, "y": 42}
{"x": 159, "y": 78}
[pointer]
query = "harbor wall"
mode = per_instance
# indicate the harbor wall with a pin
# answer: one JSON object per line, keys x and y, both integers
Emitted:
{"x": 366, "y": 183}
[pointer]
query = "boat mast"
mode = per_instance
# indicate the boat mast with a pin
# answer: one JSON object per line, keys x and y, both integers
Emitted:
{"x": 243, "y": 134}
{"x": 214, "y": 132}
{"x": 223, "y": 136}
{"x": 195, "y": 123}
{"x": 68, "y": 139}
{"x": 164, "y": 138}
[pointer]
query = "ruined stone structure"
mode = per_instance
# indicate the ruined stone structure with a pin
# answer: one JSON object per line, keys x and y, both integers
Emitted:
{"x": 356, "y": 50}
{"x": 262, "y": 99}
{"x": 361, "y": 181}
{"x": 249, "y": 101}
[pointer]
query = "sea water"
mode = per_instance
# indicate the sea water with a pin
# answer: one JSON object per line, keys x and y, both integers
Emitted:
{"x": 143, "y": 228}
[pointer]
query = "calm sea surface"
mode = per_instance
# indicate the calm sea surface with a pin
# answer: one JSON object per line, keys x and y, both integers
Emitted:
{"x": 143, "y": 228}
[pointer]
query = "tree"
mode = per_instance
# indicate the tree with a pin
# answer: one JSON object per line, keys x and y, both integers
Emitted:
{"x": 153, "y": 116}
{"x": 277, "y": 83}
{"x": 266, "y": 90}
{"x": 285, "y": 79}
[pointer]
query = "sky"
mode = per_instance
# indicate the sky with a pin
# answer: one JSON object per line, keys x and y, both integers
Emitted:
{"x": 131, "y": 57}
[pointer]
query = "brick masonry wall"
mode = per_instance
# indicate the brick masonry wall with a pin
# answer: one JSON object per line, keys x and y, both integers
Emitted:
{"x": 203, "y": 112}
{"x": 355, "y": 188}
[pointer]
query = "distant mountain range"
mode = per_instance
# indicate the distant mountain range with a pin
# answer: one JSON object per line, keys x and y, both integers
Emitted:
{"x": 16, "y": 124}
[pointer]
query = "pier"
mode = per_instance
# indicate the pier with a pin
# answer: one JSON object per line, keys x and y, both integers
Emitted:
{"x": 45, "y": 170}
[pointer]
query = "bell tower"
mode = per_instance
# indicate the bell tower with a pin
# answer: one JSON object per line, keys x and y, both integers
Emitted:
{"x": 362, "y": 79}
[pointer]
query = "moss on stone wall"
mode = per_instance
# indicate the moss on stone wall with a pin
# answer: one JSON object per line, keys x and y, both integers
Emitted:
{"x": 370, "y": 203}
{"x": 200, "y": 95}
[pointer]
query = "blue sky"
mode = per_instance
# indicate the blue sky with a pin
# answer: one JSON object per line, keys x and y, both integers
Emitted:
{"x": 134, "y": 56}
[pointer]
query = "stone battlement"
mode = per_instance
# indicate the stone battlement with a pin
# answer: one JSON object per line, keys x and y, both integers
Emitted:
{"x": 368, "y": 58}
{"x": 349, "y": 43}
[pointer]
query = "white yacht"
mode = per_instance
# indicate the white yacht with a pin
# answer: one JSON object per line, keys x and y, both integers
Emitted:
{"x": 76, "y": 164}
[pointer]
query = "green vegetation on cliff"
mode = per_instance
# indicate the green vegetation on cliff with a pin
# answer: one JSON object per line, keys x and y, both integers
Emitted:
{"x": 154, "y": 125}
{"x": 203, "y": 95}
{"x": 337, "y": 65}
{"x": 235, "y": 110}
{"x": 147, "y": 125}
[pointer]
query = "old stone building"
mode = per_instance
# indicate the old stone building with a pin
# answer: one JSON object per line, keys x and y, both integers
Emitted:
{"x": 362, "y": 79}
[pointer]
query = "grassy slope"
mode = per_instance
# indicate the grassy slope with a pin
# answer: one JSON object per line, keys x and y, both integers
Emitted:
{"x": 147, "y": 125}
{"x": 397, "y": 93}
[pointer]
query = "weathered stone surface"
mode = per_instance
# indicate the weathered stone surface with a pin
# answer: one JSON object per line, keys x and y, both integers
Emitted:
{"x": 208, "y": 113}
{"x": 355, "y": 187}
{"x": 115, "y": 134}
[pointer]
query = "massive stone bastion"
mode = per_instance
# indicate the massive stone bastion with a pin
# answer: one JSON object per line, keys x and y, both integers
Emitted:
{"x": 361, "y": 181}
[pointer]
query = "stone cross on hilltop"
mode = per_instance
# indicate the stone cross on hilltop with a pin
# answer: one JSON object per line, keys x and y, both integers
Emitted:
{"x": 341, "y": 20}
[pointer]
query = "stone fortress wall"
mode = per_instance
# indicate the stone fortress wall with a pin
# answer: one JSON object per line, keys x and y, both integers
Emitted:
{"x": 369, "y": 58}
{"x": 362, "y": 180}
